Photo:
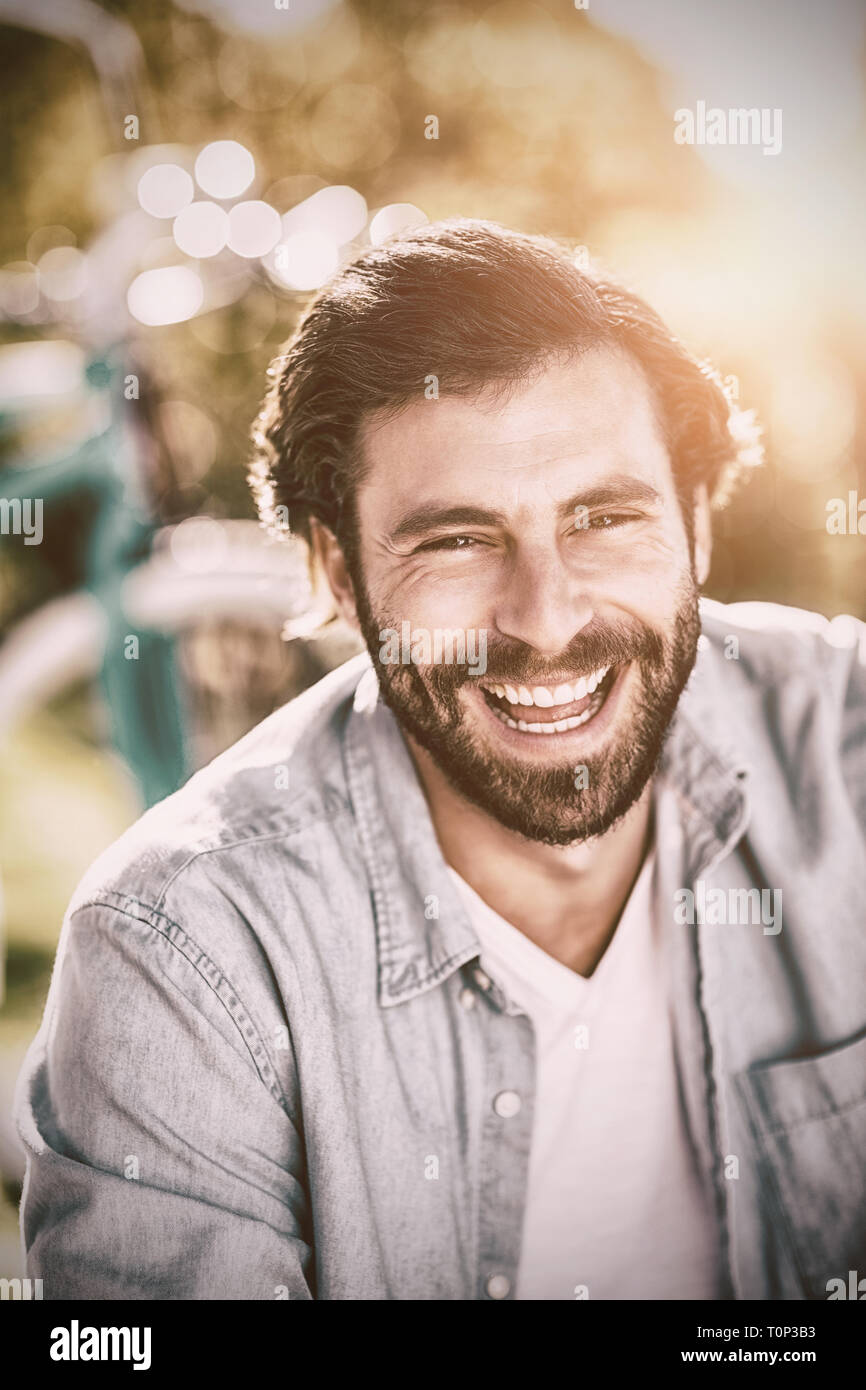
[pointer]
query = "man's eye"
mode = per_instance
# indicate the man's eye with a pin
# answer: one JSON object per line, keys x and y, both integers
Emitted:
{"x": 606, "y": 521}
{"x": 450, "y": 543}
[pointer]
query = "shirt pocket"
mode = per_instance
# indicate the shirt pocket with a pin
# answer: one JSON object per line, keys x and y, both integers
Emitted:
{"x": 809, "y": 1119}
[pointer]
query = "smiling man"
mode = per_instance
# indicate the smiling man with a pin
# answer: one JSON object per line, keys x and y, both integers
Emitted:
{"x": 397, "y": 999}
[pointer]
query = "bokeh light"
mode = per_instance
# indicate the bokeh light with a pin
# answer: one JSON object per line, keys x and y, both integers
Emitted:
{"x": 225, "y": 169}
{"x": 19, "y": 289}
{"x": 254, "y": 228}
{"x": 264, "y": 20}
{"x": 337, "y": 212}
{"x": 396, "y": 217}
{"x": 169, "y": 295}
{"x": 305, "y": 261}
{"x": 164, "y": 189}
{"x": 201, "y": 229}
{"x": 45, "y": 368}
{"x": 63, "y": 273}
{"x": 46, "y": 238}
{"x": 198, "y": 544}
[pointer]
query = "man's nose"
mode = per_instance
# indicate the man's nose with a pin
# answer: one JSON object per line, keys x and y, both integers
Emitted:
{"x": 543, "y": 603}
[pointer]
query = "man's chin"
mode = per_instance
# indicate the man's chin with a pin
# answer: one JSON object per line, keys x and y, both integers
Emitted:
{"x": 559, "y": 806}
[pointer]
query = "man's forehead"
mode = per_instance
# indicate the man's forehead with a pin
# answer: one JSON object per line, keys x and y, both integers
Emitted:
{"x": 599, "y": 403}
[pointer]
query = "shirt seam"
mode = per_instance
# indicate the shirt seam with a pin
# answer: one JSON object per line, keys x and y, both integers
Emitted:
{"x": 713, "y": 1100}
{"x": 239, "y": 1016}
{"x": 255, "y": 837}
{"x": 759, "y": 1139}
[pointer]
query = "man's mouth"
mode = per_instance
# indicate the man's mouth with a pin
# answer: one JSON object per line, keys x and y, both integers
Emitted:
{"x": 550, "y": 709}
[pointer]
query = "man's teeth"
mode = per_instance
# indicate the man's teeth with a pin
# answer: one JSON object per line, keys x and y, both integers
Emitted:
{"x": 558, "y": 728}
{"x": 545, "y": 697}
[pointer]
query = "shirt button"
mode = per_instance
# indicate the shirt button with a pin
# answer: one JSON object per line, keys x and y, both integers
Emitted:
{"x": 506, "y": 1104}
{"x": 498, "y": 1286}
{"x": 467, "y": 998}
{"x": 481, "y": 978}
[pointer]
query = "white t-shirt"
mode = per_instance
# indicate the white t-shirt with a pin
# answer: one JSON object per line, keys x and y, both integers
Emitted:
{"x": 615, "y": 1208}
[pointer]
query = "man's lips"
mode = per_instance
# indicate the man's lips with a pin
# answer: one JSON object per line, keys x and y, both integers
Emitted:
{"x": 534, "y": 726}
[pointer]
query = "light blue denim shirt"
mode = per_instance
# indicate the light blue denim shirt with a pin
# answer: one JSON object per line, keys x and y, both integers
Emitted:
{"x": 268, "y": 1069}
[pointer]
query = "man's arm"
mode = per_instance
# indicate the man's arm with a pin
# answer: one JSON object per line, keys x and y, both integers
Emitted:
{"x": 164, "y": 1161}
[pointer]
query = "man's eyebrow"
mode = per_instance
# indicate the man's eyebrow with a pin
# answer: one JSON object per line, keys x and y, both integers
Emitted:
{"x": 619, "y": 489}
{"x": 431, "y": 516}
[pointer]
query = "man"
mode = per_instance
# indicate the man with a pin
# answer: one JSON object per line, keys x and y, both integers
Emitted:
{"x": 521, "y": 957}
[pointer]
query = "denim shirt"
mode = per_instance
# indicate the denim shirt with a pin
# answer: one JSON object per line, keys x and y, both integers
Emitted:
{"x": 269, "y": 1058}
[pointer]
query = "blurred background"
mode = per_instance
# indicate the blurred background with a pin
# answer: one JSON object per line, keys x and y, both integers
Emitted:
{"x": 178, "y": 178}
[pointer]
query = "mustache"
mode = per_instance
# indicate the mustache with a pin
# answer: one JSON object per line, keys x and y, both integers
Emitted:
{"x": 515, "y": 663}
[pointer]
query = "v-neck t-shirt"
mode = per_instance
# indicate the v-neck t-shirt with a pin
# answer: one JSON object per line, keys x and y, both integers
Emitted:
{"x": 615, "y": 1207}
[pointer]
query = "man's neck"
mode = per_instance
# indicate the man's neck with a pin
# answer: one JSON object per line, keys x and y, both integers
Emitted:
{"x": 567, "y": 900}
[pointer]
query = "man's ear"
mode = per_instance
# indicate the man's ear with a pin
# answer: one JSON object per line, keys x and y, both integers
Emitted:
{"x": 703, "y": 535}
{"x": 328, "y": 553}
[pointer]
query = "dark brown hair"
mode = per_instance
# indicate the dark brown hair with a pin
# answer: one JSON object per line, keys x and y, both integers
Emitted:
{"x": 472, "y": 304}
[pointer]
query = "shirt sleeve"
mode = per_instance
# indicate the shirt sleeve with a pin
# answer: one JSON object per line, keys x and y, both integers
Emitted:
{"x": 853, "y": 720}
{"x": 164, "y": 1159}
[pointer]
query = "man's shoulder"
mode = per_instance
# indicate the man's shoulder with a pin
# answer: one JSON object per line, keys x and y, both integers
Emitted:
{"x": 282, "y": 778}
{"x": 769, "y": 642}
{"x": 778, "y": 680}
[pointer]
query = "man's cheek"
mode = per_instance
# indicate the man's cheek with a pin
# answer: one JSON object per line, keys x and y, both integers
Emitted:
{"x": 664, "y": 560}
{"x": 649, "y": 598}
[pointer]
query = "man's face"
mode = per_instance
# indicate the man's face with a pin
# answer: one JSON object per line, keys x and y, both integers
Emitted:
{"x": 547, "y": 525}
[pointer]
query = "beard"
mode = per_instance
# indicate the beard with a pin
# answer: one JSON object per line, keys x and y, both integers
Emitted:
{"x": 542, "y": 801}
